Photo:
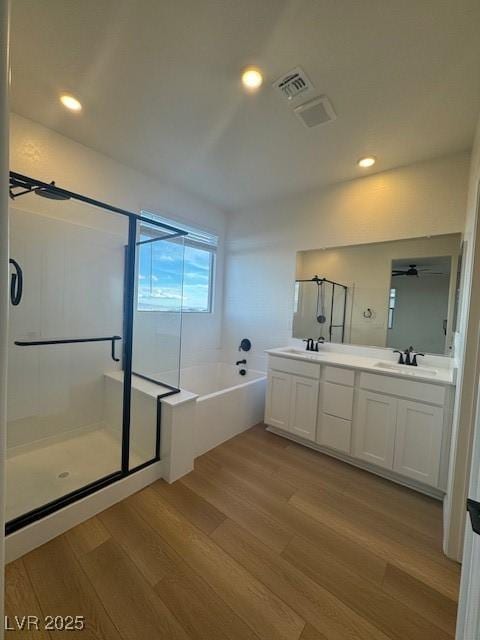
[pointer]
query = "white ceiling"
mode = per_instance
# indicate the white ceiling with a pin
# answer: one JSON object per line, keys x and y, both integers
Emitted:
{"x": 159, "y": 81}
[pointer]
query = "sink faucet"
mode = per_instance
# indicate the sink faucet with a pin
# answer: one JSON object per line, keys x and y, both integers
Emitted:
{"x": 412, "y": 357}
{"x": 408, "y": 357}
{"x": 310, "y": 344}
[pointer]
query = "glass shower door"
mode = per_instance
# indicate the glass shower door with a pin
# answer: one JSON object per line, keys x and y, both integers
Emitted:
{"x": 157, "y": 330}
{"x": 65, "y": 398}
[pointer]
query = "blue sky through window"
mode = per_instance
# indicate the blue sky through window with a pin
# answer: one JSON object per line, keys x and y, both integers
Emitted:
{"x": 161, "y": 267}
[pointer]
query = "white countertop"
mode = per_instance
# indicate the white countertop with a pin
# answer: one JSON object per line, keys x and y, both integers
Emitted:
{"x": 381, "y": 365}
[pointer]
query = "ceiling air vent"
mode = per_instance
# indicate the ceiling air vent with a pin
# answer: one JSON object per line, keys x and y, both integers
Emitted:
{"x": 315, "y": 112}
{"x": 293, "y": 84}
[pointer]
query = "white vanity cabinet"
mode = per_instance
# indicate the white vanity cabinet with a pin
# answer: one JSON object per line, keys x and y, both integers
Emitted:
{"x": 375, "y": 429}
{"x": 401, "y": 434}
{"x": 418, "y": 441}
{"x": 292, "y": 397}
{"x": 334, "y": 425}
{"x": 277, "y": 403}
{"x": 396, "y": 426}
{"x": 303, "y": 407}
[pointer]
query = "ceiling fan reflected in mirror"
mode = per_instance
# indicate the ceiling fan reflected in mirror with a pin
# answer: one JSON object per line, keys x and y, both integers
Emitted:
{"x": 412, "y": 271}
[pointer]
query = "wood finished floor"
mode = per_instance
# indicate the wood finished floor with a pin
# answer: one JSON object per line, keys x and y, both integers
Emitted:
{"x": 265, "y": 540}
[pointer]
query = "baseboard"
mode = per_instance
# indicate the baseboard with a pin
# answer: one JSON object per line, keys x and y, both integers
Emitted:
{"x": 429, "y": 491}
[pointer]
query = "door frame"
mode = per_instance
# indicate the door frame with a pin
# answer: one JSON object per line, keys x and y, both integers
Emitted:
{"x": 468, "y": 616}
{"x": 4, "y": 307}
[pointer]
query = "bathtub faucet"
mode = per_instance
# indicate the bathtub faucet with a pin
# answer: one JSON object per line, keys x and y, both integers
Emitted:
{"x": 241, "y": 362}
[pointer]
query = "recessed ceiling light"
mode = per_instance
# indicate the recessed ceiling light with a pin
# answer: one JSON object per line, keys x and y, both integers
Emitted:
{"x": 70, "y": 102}
{"x": 252, "y": 78}
{"x": 366, "y": 162}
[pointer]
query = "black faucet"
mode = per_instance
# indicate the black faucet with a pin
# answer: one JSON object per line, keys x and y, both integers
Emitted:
{"x": 310, "y": 344}
{"x": 413, "y": 357}
{"x": 240, "y": 362}
{"x": 408, "y": 357}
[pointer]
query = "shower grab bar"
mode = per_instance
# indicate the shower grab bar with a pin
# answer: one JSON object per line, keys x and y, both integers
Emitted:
{"x": 36, "y": 343}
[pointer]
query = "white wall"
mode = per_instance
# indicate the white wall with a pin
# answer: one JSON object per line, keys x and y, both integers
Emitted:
{"x": 4, "y": 11}
{"x": 73, "y": 287}
{"x": 41, "y": 153}
{"x": 424, "y": 199}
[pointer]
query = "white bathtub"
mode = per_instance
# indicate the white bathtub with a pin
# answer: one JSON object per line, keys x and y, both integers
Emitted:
{"x": 228, "y": 403}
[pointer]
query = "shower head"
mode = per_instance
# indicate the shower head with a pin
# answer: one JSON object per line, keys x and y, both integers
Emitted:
{"x": 51, "y": 194}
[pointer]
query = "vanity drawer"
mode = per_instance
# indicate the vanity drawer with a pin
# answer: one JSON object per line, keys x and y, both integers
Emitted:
{"x": 337, "y": 400}
{"x": 339, "y": 375}
{"x": 297, "y": 367}
{"x": 334, "y": 433}
{"x": 422, "y": 391}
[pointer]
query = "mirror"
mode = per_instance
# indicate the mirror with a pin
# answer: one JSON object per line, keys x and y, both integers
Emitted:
{"x": 387, "y": 294}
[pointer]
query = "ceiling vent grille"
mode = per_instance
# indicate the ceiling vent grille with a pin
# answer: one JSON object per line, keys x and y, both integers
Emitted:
{"x": 315, "y": 112}
{"x": 293, "y": 84}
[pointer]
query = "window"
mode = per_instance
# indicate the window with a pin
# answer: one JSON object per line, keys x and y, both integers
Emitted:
{"x": 296, "y": 299}
{"x": 391, "y": 307}
{"x": 177, "y": 274}
{"x": 197, "y": 279}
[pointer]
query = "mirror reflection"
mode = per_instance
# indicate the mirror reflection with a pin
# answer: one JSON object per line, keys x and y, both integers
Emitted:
{"x": 389, "y": 294}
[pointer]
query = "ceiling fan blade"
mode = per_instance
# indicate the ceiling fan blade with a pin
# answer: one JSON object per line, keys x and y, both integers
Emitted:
{"x": 427, "y": 270}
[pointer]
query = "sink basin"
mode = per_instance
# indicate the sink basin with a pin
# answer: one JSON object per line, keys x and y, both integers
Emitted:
{"x": 302, "y": 352}
{"x": 311, "y": 355}
{"x": 406, "y": 369}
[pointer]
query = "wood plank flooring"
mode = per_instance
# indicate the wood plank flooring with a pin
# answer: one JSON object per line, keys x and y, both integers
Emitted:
{"x": 265, "y": 540}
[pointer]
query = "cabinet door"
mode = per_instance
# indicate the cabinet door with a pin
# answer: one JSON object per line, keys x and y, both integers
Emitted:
{"x": 334, "y": 432}
{"x": 303, "y": 407}
{"x": 375, "y": 429}
{"x": 418, "y": 441}
{"x": 277, "y": 405}
{"x": 337, "y": 400}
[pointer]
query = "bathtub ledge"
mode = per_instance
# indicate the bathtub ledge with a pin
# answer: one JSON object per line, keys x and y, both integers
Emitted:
{"x": 154, "y": 390}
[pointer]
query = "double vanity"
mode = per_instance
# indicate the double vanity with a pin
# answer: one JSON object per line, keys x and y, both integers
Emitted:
{"x": 358, "y": 391}
{"x": 364, "y": 408}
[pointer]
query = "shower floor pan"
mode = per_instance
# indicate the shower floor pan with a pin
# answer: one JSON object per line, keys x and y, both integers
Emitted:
{"x": 49, "y": 470}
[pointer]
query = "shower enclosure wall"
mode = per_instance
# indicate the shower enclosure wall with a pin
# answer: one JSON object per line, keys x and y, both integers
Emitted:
{"x": 76, "y": 299}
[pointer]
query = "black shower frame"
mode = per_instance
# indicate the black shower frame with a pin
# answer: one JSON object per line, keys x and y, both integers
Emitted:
{"x": 29, "y": 185}
{"x": 319, "y": 281}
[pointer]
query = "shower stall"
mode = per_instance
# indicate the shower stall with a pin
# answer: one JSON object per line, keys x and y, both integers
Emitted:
{"x": 320, "y": 308}
{"x": 77, "y": 329}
